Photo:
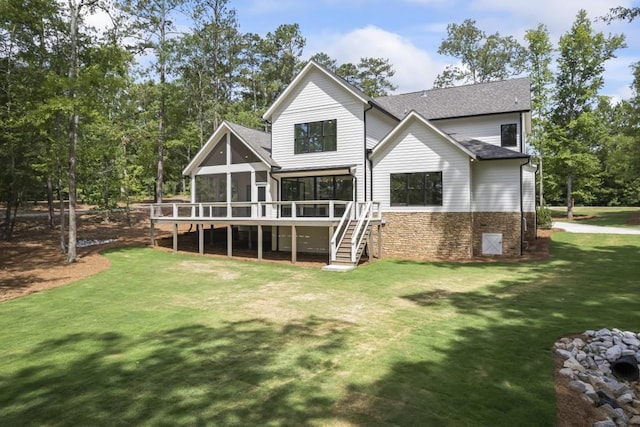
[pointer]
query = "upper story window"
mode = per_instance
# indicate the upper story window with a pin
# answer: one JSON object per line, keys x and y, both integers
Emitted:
{"x": 416, "y": 189}
{"x": 508, "y": 135}
{"x": 315, "y": 137}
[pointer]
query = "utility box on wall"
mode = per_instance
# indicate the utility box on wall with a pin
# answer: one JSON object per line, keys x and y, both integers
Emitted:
{"x": 491, "y": 243}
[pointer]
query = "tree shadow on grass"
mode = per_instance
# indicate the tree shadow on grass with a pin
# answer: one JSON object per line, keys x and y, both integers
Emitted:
{"x": 497, "y": 367}
{"x": 239, "y": 373}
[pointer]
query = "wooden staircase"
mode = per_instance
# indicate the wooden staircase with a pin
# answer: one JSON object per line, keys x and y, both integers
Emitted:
{"x": 343, "y": 256}
{"x": 351, "y": 236}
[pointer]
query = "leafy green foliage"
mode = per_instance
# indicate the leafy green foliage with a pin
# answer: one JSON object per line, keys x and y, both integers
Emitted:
{"x": 544, "y": 217}
{"x": 371, "y": 75}
{"x": 484, "y": 57}
{"x": 576, "y": 129}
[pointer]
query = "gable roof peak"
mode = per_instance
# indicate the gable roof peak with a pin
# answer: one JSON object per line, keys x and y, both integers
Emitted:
{"x": 309, "y": 66}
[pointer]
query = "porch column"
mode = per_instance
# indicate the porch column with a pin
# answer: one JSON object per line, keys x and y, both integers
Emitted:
{"x": 259, "y": 243}
{"x": 229, "y": 240}
{"x": 175, "y": 237}
{"x": 200, "y": 238}
{"x": 193, "y": 188}
{"x": 294, "y": 245}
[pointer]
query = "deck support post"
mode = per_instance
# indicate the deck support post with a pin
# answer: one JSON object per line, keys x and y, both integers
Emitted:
{"x": 211, "y": 227}
{"x": 175, "y": 237}
{"x": 229, "y": 240}
{"x": 294, "y": 245}
{"x": 331, "y": 231}
{"x": 200, "y": 238}
{"x": 152, "y": 232}
{"x": 259, "y": 243}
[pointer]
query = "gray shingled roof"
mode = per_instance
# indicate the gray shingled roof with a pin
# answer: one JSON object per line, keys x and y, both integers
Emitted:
{"x": 462, "y": 101}
{"x": 486, "y": 151}
{"x": 258, "y": 140}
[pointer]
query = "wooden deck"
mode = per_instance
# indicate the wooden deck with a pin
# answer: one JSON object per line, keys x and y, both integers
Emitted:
{"x": 316, "y": 213}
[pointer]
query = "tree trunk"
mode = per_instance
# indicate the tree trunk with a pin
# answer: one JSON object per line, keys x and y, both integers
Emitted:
{"x": 569, "y": 196}
{"x": 52, "y": 222}
{"x": 161, "y": 116}
{"x": 541, "y": 178}
{"x": 73, "y": 129}
{"x": 6, "y": 234}
{"x": 63, "y": 243}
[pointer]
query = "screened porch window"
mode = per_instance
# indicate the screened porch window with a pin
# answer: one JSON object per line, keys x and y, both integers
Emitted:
{"x": 315, "y": 137}
{"x": 332, "y": 187}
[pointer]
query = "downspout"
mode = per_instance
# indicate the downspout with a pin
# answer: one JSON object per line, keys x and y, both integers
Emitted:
{"x": 365, "y": 151}
{"x": 369, "y": 151}
{"x": 522, "y": 218}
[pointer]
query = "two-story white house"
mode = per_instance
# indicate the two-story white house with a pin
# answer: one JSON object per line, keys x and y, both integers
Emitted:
{"x": 436, "y": 173}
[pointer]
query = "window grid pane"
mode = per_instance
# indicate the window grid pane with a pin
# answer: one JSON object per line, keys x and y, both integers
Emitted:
{"x": 508, "y": 135}
{"x": 416, "y": 189}
{"x": 315, "y": 137}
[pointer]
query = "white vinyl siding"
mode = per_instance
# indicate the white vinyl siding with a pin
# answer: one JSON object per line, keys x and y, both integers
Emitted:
{"x": 378, "y": 126}
{"x": 485, "y": 128}
{"x": 420, "y": 149}
{"x": 318, "y": 98}
{"x": 528, "y": 189}
{"x": 496, "y": 186}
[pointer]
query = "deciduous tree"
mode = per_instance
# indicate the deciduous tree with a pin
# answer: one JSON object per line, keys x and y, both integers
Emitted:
{"x": 483, "y": 57}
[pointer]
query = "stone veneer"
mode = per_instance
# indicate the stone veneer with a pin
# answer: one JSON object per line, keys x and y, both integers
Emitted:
{"x": 426, "y": 235}
{"x": 506, "y": 223}
{"x": 455, "y": 235}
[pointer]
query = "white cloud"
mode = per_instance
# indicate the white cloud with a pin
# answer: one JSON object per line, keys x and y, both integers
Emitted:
{"x": 415, "y": 68}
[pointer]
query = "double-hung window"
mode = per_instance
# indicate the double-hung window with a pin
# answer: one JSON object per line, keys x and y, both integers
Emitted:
{"x": 416, "y": 189}
{"x": 315, "y": 137}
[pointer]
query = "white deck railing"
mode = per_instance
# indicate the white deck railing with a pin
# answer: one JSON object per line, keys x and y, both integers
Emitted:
{"x": 363, "y": 213}
{"x": 361, "y": 229}
{"x": 308, "y": 209}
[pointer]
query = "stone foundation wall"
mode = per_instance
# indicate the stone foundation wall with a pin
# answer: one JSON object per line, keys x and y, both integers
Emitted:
{"x": 417, "y": 235}
{"x": 506, "y": 223}
{"x": 456, "y": 235}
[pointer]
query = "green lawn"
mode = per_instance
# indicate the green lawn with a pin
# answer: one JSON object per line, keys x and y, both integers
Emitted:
{"x": 606, "y": 216}
{"x": 163, "y": 339}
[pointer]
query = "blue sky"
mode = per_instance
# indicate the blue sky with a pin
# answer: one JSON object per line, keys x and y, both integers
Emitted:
{"x": 408, "y": 32}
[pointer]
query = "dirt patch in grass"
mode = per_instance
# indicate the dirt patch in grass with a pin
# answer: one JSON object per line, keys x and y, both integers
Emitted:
{"x": 32, "y": 261}
{"x": 634, "y": 219}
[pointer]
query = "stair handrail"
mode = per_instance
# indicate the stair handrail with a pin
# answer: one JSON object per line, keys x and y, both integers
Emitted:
{"x": 358, "y": 233}
{"x": 338, "y": 235}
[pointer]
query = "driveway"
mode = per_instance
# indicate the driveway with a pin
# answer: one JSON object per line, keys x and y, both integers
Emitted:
{"x": 575, "y": 227}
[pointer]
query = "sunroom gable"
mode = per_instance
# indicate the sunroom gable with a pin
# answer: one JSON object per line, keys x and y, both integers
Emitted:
{"x": 247, "y": 146}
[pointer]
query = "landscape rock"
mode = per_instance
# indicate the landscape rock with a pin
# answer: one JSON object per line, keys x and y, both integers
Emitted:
{"x": 565, "y": 354}
{"x": 613, "y": 353}
{"x": 587, "y": 363}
